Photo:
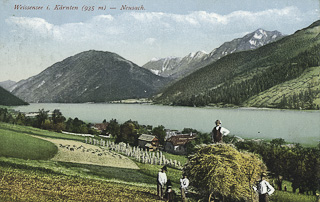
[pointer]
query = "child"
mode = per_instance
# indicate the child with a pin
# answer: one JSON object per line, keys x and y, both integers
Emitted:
{"x": 169, "y": 192}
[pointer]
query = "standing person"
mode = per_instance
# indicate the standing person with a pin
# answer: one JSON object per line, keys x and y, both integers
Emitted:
{"x": 264, "y": 189}
{"x": 218, "y": 132}
{"x": 161, "y": 181}
{"x": 169, "y": 192}
{"x": 184, "y": 183}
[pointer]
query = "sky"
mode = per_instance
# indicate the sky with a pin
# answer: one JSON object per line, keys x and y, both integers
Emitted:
{"x": 33, "y": 40}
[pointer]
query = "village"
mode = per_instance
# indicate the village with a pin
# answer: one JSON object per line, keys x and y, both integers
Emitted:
{"x": 175, "y": 142}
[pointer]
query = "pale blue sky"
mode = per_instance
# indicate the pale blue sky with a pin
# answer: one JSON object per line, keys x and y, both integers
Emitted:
{"x": 31, "y": 41}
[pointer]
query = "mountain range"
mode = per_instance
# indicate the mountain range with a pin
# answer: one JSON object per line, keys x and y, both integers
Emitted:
{"x": 90, "y": 76}
{"x": 262, "y": 69}
{"x": 257, "y": 77}
{"x": 177, "y": 67}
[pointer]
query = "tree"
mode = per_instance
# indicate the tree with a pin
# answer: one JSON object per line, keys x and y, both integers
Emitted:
{"x": 69, "y": 125}
{"x": 278, "y": 142}
{"x": 160, "y": 133}
{"x": 59, "y": 127}
{"x": 57, "y": 117}
{"x": 77, "y": 125}
{"x": 41, "y": 117}
{"x": 113, "y": 128}
{"x": 129, "y": 133}
{"x": 5, "y": 116}
{"x": 221, "y": 171}
{"x": 47, "y": 125}
{"x": 312, "y": 175}
{"x": 20, "y": 119}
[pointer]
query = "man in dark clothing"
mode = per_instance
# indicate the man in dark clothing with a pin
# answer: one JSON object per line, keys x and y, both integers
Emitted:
{"x": 218, "y": 132}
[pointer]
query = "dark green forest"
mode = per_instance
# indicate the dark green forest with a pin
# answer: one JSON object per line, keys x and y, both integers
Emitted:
{"x": 7, "y": 99}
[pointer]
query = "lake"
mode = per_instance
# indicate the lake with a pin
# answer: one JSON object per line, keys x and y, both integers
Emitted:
{"x": 292, "y": 125}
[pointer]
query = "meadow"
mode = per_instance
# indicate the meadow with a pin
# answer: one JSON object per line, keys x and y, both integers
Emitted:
{"x": 19, "y": 145}
{"x": 49, "y": 176}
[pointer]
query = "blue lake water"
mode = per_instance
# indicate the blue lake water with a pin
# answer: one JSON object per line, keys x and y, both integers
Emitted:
{"x": 291, "y": 125}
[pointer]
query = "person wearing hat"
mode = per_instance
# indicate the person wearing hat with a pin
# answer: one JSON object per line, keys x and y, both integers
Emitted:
{"x": 161, "y": 181}
{"x": 218, "y": 132}
{"x": 264, "y": 189}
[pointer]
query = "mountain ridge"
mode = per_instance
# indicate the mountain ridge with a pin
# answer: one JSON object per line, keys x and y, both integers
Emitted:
{"x": 89, "y": 76}
{"x": 8, "y": 84}
{"x": 178, "y": 67}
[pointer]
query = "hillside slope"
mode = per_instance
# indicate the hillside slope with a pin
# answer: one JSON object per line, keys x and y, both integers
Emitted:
{"x": 236, "y": 78}
{"x": 7, "y": 99}
{"x": 301, "y": 92}
{"x": 91, "y": 76}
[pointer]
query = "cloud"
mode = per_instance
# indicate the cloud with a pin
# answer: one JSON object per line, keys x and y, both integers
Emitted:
{"x": 150, "y": 24}
{"x": 154, "y": 34}
{"x": 149, "y": 41}
{"x": 37, "y": 25}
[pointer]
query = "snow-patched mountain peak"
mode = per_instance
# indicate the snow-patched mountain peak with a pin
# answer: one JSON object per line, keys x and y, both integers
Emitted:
{"x": 197, "y": 54}
{"x": 260, "y": 33}
{"x": 178, "y": 67}
{"x": 154, "y": 59}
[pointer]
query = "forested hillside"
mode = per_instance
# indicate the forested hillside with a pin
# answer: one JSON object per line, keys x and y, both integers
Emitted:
{"x": 239, "y": 78}
{"x": 7, "y": 99}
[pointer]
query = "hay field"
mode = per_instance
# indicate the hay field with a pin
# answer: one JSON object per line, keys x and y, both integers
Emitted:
{"x": 78, "y": 152}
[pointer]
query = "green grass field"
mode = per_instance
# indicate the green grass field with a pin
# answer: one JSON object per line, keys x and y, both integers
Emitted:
{"x": 38, "y": 132}
{"x": 42, "y": 179}
{"x": 19, "y": 145}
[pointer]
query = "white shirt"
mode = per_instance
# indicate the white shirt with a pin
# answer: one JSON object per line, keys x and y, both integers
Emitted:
{"x": 264, "y": 187}
{"x": 162, "y": 178}
{"x": 223, "y": 130}
{"x": 184, "y": 183}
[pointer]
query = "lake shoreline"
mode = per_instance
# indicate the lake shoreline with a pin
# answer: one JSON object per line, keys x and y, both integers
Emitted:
{"x": 134, "y": 102}
{"x": 252, "y": 123}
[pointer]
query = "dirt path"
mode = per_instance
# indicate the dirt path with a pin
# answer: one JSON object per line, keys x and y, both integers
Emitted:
{"x": 78, "y": 152}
